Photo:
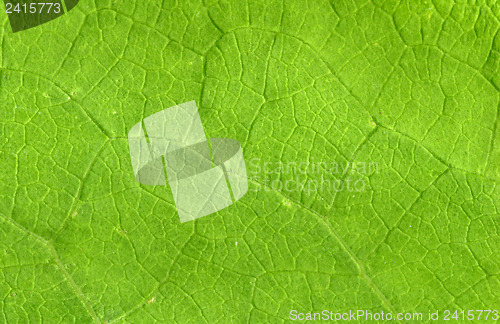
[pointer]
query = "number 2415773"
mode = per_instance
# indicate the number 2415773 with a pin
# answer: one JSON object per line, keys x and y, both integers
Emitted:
{"x": 471, "y": 315}
{"x": 33, "y": 8}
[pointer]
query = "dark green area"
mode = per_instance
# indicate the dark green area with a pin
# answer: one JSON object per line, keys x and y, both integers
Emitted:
{"x": 28, "y": 14}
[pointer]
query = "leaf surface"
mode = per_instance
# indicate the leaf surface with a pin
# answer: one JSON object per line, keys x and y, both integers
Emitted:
{"x": 408, "y": 88}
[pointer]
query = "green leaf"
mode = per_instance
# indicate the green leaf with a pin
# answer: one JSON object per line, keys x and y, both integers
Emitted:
{"x": 400, "y": 98}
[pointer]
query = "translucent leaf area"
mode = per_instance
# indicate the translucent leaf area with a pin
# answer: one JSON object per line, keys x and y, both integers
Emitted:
{"x": 370, "y": 132}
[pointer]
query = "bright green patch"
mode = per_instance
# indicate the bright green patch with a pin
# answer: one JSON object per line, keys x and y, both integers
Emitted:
{"x": 411, "y": 87}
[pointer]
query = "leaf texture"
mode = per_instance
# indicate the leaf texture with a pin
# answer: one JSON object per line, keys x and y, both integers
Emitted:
{"x": 409, "y": 86}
